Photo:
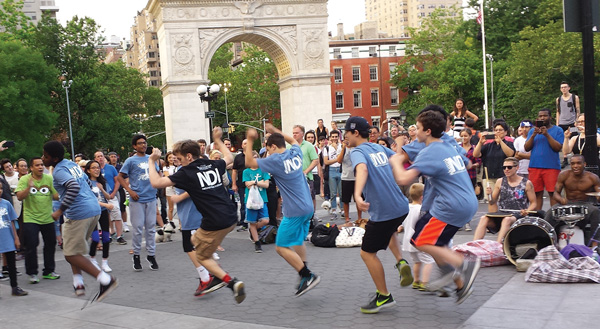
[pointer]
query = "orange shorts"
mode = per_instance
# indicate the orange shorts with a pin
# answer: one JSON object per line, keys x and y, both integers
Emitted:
{"x": 543, "y": 178}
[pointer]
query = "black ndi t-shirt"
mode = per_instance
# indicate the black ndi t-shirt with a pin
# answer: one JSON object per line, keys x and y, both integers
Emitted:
{"x": 202, "y": 179}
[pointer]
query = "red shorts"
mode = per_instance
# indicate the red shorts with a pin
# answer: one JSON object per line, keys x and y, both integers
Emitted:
{"x": 543, "y": 178}
{"x": 432, "y": 231}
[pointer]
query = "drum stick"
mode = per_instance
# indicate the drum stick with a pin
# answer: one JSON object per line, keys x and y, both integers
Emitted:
{"x": 518, "y": 210}
{"x": 487, "y": 179}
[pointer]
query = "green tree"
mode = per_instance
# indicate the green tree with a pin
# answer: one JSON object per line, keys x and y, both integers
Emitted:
{"x": 26, "y": 84}
{"x": 14, "y": 24}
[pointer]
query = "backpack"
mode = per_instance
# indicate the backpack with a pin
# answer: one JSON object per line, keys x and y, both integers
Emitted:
{"x": 267, "y": 234}
{"x": 324, "y": 236}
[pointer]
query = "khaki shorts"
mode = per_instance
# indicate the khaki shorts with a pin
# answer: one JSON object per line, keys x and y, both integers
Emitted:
{"x": 75, "y": 234}
{"x": 115, "y": 214}
{"x": 206, "y": 242}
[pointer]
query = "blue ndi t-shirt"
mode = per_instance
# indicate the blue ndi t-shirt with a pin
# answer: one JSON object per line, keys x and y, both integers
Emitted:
{"x": 450, "y": 188}
{"x": 136, "y": 167}
{"x": 86, "y": 204}
{"x": 189, "y": 216}
{"x": 7, "y": 215}
{"x": 286, "y": 168}
{"x": 381, "y": 191}
{"x": 109, "y": 172}
{"x": 542, "y": 155}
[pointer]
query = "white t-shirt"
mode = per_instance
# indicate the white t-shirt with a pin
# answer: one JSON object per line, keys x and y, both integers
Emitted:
{"x": 409, "y": 227}
{"x": 332, "y": 153}
{"x": 519, "y": 145}
{"x": 315, "y": 170}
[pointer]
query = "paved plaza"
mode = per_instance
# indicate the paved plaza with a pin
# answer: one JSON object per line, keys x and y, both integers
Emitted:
{"x": 164, "y": 298}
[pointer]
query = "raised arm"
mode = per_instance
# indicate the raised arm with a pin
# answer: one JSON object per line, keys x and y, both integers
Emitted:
{"x": 251, "y": 136}
{"x": 155, "y": 179}
{"x": 217, "y": 134}
{"x": 288, "y": 139}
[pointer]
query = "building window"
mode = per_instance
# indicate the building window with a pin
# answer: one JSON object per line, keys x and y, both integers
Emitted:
{"x": 374, "y": 97}
{"x": 337, "y": 74}
{"x": 153, "y": 73}
{"x": 357, "y": 99}
{"x": 392, "y": 50}
{"x": 151, "y": 55}
{"x": 373, "y": 73}
{"x": 394, "y": 96}
{"x": 393, "y": 69}
{"x": 354, "y": 52}
{"x": 356, "y": 73}
{"x": 372, "y": 51}
{"x": 339, "y": 99}
{"x": 337, "y": 54}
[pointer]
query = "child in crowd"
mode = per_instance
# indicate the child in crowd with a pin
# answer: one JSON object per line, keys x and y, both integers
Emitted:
{"x": 257, "y": 218}
{"x": 423, "y": 261}
{"x": 9, "y": 242}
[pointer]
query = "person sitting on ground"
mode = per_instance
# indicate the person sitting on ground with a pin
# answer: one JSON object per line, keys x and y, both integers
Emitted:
{"x": 510, "y": 192}
{"x": 577, "y": 182}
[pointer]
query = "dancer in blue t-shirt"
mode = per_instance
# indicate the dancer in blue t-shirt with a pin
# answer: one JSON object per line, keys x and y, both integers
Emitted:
{"x": 285, "y": 165}
{"x": 453, "y": 203}
{"x": 386, "y": 204}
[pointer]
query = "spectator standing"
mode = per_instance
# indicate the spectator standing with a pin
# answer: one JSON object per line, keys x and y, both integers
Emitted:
{"x": 567, "y": 110}
{"x": 520, "y": 153}
{"x": 460, "y": 114}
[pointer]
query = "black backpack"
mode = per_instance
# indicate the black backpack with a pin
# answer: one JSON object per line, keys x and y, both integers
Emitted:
{"x": 267, "y": 234}
{"x": 323, "y": 236}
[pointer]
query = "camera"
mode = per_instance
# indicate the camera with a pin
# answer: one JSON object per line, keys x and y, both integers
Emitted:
{"x": 490, "y": 136}
{"x": 9, "y": 144}
{"x": 539, "y": 123}
{"x": 574, "y": 129}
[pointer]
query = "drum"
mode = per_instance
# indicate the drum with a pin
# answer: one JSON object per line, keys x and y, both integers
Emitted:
{"x": 498, "y": 214}
{"x": 527, "y": 232}
{"x": 570, "y": 214}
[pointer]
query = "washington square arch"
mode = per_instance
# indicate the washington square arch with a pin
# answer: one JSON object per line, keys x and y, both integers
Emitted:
{"x": 292, "y": 32}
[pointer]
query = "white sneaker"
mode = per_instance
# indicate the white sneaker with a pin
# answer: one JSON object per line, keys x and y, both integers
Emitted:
{"x": 94, "y": 262}
{"x": 125, "y": 227}
{"x": 216, "y": 256}
{"x": 468, "y": 227}
{"x": 106, "y": 268}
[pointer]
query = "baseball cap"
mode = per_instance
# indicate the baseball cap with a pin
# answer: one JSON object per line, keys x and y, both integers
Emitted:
{"x": 357, "y": 123}
{"x": 526, "y": 123}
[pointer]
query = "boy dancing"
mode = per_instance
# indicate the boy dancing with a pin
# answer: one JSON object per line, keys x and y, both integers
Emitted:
{"x": 286, "y": 167}
{"x": 454, "y": 203}
{"x": 202, "y": 179}
{"x": 386, "y": 204}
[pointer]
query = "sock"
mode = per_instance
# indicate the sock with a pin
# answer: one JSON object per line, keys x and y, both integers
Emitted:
{"x": 304, "y": 272}
{"x": 227, "y": 278}
{"x": 77, "y": 280}
{"x": 103, "y": 278}
{"x": 385, "y": 295}
{"x": 203, "y": 274}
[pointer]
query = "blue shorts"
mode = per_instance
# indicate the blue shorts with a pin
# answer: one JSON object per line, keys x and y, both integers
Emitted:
{"x": 254, "y": 215}
{"x": 292, "y": 231}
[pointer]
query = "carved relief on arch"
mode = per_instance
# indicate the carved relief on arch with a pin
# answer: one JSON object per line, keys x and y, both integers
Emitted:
{"x": 183, "y": 56}
{"x": 288, "y": 33}
{"x": 207, "y": 36}
{"x": 313, "y": 50}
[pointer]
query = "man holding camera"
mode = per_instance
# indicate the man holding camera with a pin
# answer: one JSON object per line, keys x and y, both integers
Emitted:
{"x": 544, "y": 164}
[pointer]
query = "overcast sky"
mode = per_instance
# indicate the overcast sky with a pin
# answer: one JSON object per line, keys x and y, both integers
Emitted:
{"x": 116, "y": 16}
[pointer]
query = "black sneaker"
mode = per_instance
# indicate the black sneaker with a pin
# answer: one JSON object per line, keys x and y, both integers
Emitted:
{"x": 237, "y": 287}
{"x": 106, "y": 289}
{"x": 469, "y": 272}
{"x": 17, "y": 291}
{"x": 307, "y": 284}
{"x": 137, "y": 265}
{"x": 257, "y": 247}
{"x": 120, "y": 240}
{"x": 213, "y": 284}
{"x": 5, "y": 271}
{"x": 4, "y": 278}
{"x": 153, "y": 263}
{"x": 377, "y": 303}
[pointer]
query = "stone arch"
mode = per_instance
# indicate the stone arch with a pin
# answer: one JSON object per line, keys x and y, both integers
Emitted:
{"x": 267, "y": 40}
{"x": 292, "y": 32}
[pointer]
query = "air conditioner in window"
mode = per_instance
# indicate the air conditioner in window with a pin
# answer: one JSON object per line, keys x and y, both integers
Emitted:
{"x": 338, "y": 80}
{"x": 339, "y": 56}
{"x": 339, "y": 93}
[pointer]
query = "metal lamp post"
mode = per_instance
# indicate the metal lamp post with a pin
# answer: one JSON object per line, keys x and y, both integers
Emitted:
{"x": 207, "y": 94}
{"x": 226, "y": 87}
{"x": 491, "y": 58}
{"x": 67, "y": 85}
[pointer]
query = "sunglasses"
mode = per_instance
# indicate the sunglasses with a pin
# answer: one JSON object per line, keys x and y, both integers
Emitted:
{"x": 507, "y": 167}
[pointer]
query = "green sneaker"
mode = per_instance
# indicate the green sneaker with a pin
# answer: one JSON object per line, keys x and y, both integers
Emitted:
{"x": 377, "y": 303}
{"x": 416, "y": 285}
{"x": 406, "y": 277}
{"x": 51, "y": 276}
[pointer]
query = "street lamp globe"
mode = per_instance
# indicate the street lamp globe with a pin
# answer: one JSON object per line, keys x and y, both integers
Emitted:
{"x": 214, "y": 89}
{"x": 202, "y": 89}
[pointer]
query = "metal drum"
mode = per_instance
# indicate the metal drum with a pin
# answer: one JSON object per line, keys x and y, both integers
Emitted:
{"x": 527, "y": 231}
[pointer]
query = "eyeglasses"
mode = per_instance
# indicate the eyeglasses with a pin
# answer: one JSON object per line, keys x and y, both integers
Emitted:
{"x": 507, "y": 167}
{"x": 142, "y": 143}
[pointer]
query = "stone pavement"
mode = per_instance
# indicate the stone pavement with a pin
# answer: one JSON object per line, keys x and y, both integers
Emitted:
{"x": 165, "y": 298}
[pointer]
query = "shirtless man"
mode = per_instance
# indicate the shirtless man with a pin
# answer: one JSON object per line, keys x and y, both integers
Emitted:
{"x": 576, "y": 183}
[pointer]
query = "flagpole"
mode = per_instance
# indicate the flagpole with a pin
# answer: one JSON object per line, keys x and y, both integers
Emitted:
{"x": 485, "y": 93}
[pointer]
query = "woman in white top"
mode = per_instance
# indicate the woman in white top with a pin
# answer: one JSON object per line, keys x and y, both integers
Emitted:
{"x": 168, "y": 170}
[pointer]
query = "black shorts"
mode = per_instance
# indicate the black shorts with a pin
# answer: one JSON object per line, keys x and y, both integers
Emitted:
{"x": 378, "y": 234}
{"x": 432, "y": 231}
{"x": 565, "y": 127}
{"x": 347, "y": 190}
{"x": 122, "y": 198}
{"x": 186, "y": 239}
